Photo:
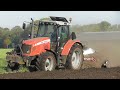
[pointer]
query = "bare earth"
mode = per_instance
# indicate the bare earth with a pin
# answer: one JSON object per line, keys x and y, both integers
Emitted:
{"x": 92, "y": 73}
{"x": 107, "y": 46}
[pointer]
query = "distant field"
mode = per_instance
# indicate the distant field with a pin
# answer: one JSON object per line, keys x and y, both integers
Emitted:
{"x": 2, "y": 59}
{"x": 106, "y": 43}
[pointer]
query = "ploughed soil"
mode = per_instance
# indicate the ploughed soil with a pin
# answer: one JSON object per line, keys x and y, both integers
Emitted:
{"x": 91, "y": 73}
{"x": 107, "y": 46}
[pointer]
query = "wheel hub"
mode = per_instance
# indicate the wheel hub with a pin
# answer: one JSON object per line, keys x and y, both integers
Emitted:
{"x": 48, "y": 65}
{"x": 76, "y": 59}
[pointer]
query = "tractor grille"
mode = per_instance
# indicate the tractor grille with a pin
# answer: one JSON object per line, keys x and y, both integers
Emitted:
{"x": 26, "y": 49}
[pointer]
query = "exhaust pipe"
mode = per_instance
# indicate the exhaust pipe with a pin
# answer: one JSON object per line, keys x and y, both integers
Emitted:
{"x": 32, "y": 29}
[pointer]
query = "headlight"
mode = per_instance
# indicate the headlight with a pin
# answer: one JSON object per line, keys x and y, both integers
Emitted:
{"x": 26, "y": 48}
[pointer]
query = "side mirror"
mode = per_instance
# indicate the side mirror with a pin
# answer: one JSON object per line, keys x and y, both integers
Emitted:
{"x": 24, "y": 26}
{"x": 73, "y": 35}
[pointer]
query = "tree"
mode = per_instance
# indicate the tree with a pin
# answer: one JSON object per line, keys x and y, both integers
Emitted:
{"x": 104, "y": 25}
{"x": 7, "y": 42}
{"x": 15, "y": 34}
{"x": 7, "y": 29}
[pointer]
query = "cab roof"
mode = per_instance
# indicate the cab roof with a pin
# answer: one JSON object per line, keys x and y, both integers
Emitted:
{"x": 56, "y": 20}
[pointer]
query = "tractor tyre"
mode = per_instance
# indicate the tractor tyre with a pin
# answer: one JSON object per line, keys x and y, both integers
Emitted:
{"x": 75, "y": 57}
{"x": 47, "y": 62}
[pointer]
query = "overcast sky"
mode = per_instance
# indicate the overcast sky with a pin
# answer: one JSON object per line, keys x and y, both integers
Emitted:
{"x": 12, "y": 18}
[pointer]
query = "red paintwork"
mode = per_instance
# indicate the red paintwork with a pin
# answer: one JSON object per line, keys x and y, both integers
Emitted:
{"x": 68, "y": 46}
{"x": 40, "y": 48}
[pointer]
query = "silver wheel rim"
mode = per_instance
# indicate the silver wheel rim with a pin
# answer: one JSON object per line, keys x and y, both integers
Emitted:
{"x": 76, "y": 60}
{"x": 48, "y": 64}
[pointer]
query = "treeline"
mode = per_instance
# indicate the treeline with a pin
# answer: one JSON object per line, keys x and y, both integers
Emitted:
{"x": 99, "y": 27}
{"x": 11, "y": 37}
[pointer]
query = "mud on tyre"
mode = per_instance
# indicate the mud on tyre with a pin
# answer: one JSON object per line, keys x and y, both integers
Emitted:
{"x": 75, "y": 58}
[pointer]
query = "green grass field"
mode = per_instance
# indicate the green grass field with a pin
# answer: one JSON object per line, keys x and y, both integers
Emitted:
{"x": 3, "y": 62}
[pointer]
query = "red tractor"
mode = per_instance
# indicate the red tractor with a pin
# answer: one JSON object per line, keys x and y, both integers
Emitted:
{"x": 53, "y": 47}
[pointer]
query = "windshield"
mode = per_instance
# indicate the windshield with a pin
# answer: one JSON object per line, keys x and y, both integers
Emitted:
{"x": 45, "y": 30}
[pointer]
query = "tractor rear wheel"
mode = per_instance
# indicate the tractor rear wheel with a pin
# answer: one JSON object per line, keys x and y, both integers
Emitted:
{"x": 75, "y": 57}
{"x": 47, "y": 62}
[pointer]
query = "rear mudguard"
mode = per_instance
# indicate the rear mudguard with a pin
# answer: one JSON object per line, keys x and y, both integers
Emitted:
{"x": 68, "y": 45}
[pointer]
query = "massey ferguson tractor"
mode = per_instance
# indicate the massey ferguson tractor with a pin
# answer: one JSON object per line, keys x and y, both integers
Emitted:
{"x": 53, "y": 47}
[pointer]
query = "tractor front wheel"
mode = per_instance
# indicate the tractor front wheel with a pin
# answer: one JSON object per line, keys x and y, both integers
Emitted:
{"x": 47, "y": 62}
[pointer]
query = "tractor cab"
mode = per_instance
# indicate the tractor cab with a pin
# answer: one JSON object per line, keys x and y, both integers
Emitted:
{"x": 57, "y": 29}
